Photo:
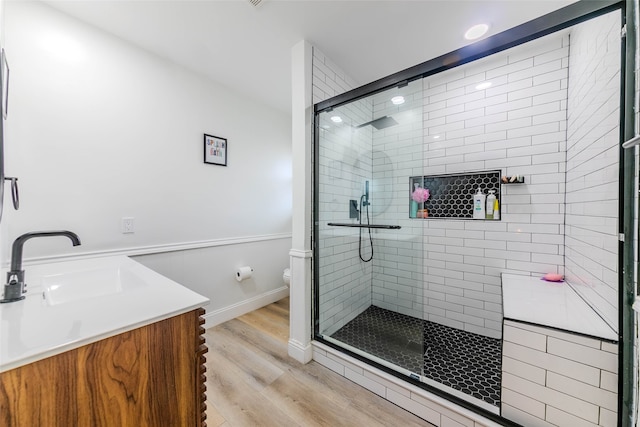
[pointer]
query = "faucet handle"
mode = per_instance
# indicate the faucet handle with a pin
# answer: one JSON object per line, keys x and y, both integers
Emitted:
{"x": 14, "y": 276}
{"x": 14, "y": 288}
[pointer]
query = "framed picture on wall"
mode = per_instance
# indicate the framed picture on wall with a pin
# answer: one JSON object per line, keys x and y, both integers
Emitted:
{"x": 215, "y": 150}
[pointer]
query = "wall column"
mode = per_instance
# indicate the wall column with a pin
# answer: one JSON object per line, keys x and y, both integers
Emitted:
{"x": 300, "y": 255}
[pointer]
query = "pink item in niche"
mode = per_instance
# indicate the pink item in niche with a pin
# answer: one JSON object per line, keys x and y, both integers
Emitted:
{"x": 553, "y": 277}
{"x": 420, "y": 195}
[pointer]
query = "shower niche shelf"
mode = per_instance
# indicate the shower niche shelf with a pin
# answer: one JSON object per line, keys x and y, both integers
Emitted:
{"x": 451, "y": 195}
{"x": 515, "y": 179}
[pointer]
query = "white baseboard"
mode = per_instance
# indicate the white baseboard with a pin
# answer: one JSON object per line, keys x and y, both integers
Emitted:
{"x": 231, "y": 312}
{"x": 299, "y": 352}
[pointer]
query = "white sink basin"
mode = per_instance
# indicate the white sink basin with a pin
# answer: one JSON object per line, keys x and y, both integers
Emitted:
{"x": 82, "y": 285}
{"x": 72, "y": 303}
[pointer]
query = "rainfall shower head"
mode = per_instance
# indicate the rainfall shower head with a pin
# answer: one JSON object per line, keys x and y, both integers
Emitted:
{"x": 380, "y": 123}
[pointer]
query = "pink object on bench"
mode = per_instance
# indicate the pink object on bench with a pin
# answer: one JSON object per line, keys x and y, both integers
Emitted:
{"x": 553, "y": 277}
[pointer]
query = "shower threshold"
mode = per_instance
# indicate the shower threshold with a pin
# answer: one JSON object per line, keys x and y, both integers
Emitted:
{"x": 461, "y": 363}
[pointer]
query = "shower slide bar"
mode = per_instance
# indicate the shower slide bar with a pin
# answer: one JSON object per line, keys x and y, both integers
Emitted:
{"x": 385, "y": 227}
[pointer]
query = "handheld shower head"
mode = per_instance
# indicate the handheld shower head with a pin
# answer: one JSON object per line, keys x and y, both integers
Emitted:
{"x": 366, "y": 193}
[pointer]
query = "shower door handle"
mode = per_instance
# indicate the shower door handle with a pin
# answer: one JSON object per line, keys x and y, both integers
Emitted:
{"x": 632, "y": 142}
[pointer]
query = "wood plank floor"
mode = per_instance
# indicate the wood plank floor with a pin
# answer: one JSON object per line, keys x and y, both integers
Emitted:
{"x": 251, "y": 381}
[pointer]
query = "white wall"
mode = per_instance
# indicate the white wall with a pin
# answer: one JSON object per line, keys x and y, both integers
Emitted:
{"x": 99, "y": 129}
{"x": 3, "y": 226}
{"x": 211, "y": 272}
{"x": 593, "y": 156}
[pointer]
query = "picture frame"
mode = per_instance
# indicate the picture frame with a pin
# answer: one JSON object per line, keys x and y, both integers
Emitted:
{"x": 4, "y": 64}
{"x": 215, "y": 150}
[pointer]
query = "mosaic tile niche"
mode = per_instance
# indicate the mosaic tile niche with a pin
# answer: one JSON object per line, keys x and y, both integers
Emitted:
{"x": 451, "y": 196}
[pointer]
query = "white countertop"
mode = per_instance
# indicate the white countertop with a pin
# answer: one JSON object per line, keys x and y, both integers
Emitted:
{"x": 533, "y": 300}
{"x": 54, "y": 317}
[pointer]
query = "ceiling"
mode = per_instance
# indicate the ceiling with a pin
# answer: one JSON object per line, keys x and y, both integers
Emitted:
{"x": 248, "y": 48}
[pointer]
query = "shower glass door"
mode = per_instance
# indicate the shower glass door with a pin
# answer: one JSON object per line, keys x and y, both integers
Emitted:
{"x": 416, "y": 285}
{"x": 369, "y": 235}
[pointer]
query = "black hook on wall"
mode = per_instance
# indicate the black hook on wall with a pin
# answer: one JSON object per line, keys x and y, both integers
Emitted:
{"x": 15, "y": 196}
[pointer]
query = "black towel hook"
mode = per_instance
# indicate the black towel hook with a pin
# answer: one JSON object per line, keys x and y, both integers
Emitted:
{"x": 15, "y": 196}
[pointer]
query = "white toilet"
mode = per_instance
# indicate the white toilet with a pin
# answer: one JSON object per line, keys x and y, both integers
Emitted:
{"x": 286, "y": 276}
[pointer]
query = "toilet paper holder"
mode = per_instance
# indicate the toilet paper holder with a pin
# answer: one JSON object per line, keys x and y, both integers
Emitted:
{"x": 243, "y": 273}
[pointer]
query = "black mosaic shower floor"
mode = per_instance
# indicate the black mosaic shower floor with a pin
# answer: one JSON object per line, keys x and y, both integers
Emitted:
{"x": 462, "y": 360}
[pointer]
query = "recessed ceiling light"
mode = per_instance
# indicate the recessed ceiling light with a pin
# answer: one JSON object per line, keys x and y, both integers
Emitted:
{"x": 336, "y": 119}
{"x": 436, "y": 136}
{"x": 397, "y": 100}
{"x": 476, "y": 31}
{"x": 63, "y": 46}
{"x": 483, "y": 85}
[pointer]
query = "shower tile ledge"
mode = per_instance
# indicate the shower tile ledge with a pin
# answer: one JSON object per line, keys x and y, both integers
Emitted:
{"x": 409, "y": 397}
{"x": 553, "y": 304}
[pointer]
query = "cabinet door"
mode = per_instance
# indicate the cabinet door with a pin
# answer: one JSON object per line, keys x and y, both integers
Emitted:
{"x": 151, "y": 376}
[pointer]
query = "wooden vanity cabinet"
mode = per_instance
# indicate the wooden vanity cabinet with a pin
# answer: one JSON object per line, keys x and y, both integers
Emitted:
{"x": 151, "y": 376}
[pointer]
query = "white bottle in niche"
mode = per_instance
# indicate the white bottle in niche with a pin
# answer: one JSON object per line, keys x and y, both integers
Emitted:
{"x": 478, "y": 205}
{"x": 491, "y": 200}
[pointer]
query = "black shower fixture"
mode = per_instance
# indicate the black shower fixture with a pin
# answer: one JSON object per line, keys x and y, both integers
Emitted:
{"x": 380, "y": 123}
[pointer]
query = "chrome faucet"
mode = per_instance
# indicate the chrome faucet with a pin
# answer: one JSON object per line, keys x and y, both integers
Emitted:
{"x": 15, "y": 286}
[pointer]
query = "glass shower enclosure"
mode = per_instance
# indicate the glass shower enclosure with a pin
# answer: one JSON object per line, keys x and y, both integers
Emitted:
{"x": 373, "y": 198}
{"x": 408, "y": 260}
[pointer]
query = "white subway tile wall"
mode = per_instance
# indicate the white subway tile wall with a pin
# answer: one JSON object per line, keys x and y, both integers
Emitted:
{"x": 344, "y": 163}
{"x": 328, "y": 79}
{"x": 591, "y": 254}
{"x": 517, "y": 126}
{"x": 398, "y": 261}
{"x": 557, "y": 378}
